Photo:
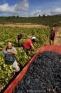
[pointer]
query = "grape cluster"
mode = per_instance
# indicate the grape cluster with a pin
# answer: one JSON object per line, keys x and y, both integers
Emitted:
{"x": 43, "y": 76}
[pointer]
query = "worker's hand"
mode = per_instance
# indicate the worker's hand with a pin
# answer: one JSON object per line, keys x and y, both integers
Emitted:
{"x": 8, "y": 50}
{"x": 32, "y": 49}
{"x": 11, "y": 51}
{"x": 54, "y": 37}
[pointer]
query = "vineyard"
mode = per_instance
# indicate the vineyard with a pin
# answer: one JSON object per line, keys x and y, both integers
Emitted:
{"x": 10, "y": 34}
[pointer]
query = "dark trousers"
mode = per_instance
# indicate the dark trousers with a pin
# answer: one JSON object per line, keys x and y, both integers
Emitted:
{"x": 51, "y": 38}
{"x": 18, "y": 43}
{"x": 26, "y": 50}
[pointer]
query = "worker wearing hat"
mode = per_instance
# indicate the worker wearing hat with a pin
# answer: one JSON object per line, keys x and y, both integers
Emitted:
{"x": 29, "y": 44}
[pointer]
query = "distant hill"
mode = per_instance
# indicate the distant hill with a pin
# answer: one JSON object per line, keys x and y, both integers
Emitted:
{"x": 44, "y": 20}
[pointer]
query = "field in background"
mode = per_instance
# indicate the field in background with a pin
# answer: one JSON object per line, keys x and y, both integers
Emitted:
{"x": 25, "y": 25}
{"x": 41, "y": 20}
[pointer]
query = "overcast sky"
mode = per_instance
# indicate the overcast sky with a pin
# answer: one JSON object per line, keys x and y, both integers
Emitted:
{"x": 26, "y": 8}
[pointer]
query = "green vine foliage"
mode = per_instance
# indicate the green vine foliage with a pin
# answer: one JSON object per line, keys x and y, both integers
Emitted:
{"x": 10, "y": 34}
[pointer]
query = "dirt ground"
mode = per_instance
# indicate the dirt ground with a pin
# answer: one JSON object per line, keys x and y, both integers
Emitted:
{"x": 58, "y": 37}
{"x": 27, "y": 25}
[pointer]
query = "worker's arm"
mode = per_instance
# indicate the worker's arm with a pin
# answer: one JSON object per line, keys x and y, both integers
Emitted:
{"x": 55, "y": 34}
{"x": 3, "y": 53}
{"x": 32, "y": 46}
{"x": 11, "y": 51}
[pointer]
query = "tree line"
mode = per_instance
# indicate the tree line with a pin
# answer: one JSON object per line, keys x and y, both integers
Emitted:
{"x": 44, "y": 20}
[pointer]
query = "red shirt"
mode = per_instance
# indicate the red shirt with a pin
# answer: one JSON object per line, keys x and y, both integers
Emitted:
{"x": 27, "y": 44}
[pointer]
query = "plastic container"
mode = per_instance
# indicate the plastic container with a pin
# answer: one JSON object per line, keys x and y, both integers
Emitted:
{"x": 54, "y": 48}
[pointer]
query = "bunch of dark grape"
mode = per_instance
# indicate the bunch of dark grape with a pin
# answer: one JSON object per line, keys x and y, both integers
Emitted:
{"x": 43, "y": 75}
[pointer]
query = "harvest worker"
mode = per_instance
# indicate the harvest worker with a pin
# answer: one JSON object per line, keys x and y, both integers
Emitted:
{"x": 29, "y": 44}
{"x": 19, "y": 38}
{"x": 9, "y": 56}
{"x": 52, "y": 36}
